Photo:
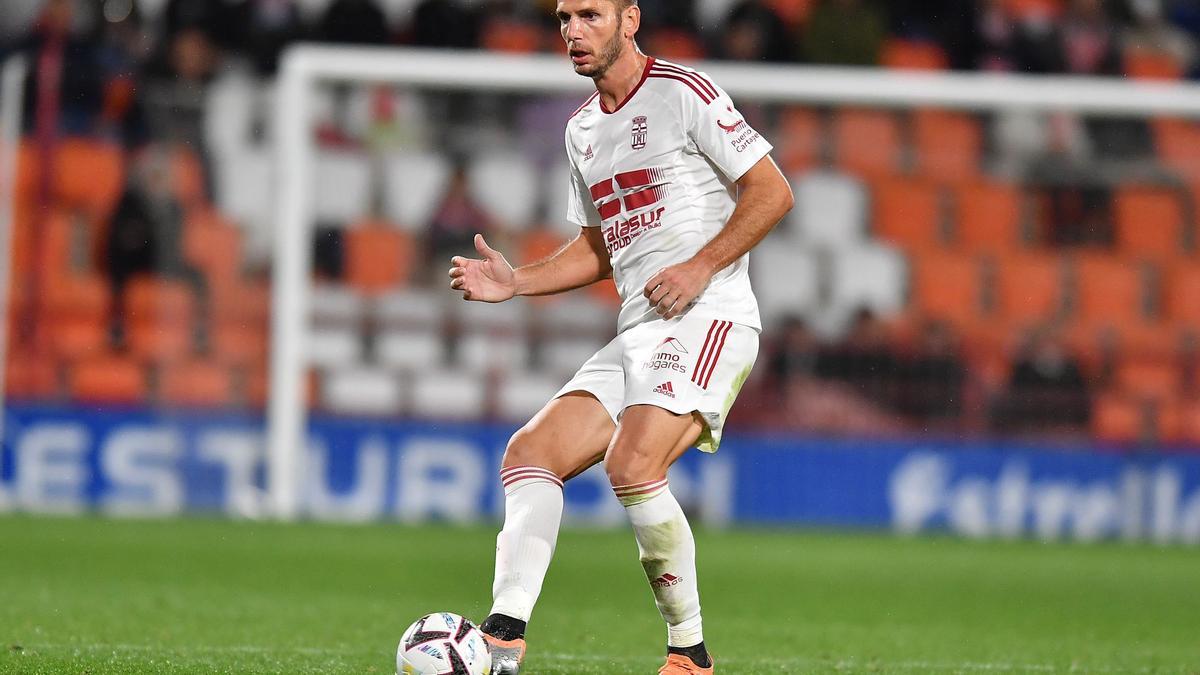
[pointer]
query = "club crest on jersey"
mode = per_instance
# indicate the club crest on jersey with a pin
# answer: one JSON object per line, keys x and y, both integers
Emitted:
{"x": 639, "y": 132}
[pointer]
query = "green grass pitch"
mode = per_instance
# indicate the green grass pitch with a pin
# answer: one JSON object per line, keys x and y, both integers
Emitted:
{"x": 208, "y": 596}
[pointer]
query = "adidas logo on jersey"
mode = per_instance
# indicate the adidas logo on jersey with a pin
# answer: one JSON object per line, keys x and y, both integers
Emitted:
{"x": 588, "y": 154}
{"x": 665, "y": 389}
{"x": 666, "y": 580}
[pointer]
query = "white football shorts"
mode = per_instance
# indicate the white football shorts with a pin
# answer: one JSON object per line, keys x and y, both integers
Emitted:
{"x": 687, "y": 364}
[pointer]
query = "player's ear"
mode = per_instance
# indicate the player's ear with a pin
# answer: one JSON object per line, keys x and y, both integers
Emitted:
{"x": 632, "y": 20}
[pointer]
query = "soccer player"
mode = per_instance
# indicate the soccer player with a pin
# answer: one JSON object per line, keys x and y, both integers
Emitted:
{"x": 671, "y": 188}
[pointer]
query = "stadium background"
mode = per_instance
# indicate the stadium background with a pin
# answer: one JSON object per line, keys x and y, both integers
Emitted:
{"x": 984, "y": 323}
{"x": 998, "y": 309}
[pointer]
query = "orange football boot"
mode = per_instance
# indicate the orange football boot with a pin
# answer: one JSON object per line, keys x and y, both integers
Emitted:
{"x": 507, "y": 655}
{"x": 678, "y": 664}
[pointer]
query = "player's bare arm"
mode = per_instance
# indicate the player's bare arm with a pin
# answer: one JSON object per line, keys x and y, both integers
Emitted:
{"x": 580, "y": 262}
{"x": 764, "y": 197}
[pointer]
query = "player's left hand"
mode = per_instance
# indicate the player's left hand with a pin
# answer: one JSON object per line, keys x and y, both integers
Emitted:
{"x": 674, "y": 288}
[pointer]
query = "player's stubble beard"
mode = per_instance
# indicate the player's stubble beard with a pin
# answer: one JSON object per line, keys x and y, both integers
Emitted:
{"x": 608, "y": 55}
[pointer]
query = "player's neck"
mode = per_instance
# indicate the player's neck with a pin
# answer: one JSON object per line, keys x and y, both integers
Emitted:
{"x": 621, "y": 79}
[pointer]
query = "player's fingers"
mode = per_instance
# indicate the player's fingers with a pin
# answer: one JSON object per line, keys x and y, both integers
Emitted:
{"x": 485, "y": 250}
{"x": 653, "y": 284}
{"x": 457, "y": 271}
{"x": 659, "y": 293}
{"x": 458, "y": 261}
{"x": 457, "y": 283}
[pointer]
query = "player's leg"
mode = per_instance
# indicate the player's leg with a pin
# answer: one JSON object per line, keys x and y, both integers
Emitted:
{"x": 648, "y": 440}
{"x": 569, "y": 435}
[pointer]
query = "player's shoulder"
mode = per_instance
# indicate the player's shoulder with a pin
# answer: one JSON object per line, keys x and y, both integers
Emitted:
{"x": 682, "y": 83}
{"x": 589, "y": 107}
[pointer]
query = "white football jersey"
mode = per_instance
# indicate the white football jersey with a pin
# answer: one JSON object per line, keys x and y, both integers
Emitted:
{"x": 658, "y": 175}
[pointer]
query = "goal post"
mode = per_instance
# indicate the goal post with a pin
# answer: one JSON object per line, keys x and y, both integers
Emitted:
{"x": 306, "y": 66}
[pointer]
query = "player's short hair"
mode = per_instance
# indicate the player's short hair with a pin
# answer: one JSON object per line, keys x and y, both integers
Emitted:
{"x": 623, "y": 5}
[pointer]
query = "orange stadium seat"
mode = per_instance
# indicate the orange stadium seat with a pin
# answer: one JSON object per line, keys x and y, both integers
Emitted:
{"x": 56, "y": 248}
{"x": 907, "y": 213}
{"x": 150, "y": 298}
{"x": 214, "y": 245}
{"x": 159, "y": 317}
{"x": 505, "y": 35}
{"x": 239, "y": 344}
{"x": 1117, "y": 418}
{"x": 30, "y": 376}
{"x": 912, "y": 55}
{"x": 1034, "y": 8}
{"x": 1149, "y": 379}
{"x": 89, "y": 175}
{"x": 1144, "y": 64}
{"x": 160, "y": 341}
{"x": 947, "y": 286}
{"x": 948, "y": 145}
{"x": 1108, "y": 288}
{"x": 867, "y": 142}
{"x": 1029, "y": 288}
{"x": 1149, "y": 222}
{"x": 793, "y": 12}
{"x": 245, "y": 302}
{"x": 378, "y": 256}
{"x": 606, "y": 292}
{"x": 187, "y": 177}
{"x": 196, "y": 384}
{"x": 799, "y": 139}
{"x": 1178, "y": 144}
{"x": 1183, "y": 293}
{"x": 77, "y": 295}
{"x": 74, "y": 337}
{"x": 676, "y": 45}
{"x": 989, "y": 218}
{"x": 540, "y": 244}
{"x": 1189, "y": 421}
{"x": 1170, "y": 420}
{"x": 74, "y": 315}
{"x": 108, "y": 379}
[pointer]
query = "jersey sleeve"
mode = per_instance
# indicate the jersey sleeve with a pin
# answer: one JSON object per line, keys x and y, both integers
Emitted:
{"x": 719, "y": 132}
{"x": 581, "y": 210}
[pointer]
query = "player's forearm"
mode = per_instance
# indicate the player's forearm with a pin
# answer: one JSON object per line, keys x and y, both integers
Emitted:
{"x": 759, "y": 209}
{"x": 573, "y": 266}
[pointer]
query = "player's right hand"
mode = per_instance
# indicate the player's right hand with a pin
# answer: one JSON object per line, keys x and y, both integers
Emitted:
{"x": 488, "y": 280}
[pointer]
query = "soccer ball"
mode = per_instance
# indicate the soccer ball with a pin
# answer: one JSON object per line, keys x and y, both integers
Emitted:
{"x": 443, "y": 644}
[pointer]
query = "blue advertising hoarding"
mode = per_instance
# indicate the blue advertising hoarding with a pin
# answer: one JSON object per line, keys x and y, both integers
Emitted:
{"x": 65, "y": 460}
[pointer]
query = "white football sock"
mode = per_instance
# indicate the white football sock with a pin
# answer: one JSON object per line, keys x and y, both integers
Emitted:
{"x": 668, "y": 554}
{"x": 533, "y": 506}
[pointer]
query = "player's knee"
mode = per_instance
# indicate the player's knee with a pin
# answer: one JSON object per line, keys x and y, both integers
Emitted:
{"x": 626, "y": 465}
{"x": 525, "y": 449}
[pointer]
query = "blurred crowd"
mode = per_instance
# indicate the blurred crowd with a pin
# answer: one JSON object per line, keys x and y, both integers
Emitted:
{"x": 144, "y": 79}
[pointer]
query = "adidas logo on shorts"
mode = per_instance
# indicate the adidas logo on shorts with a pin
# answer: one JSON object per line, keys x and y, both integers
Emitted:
{"x": 665, "y": 389}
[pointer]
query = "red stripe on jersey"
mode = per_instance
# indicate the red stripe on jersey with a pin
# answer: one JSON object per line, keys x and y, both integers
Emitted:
{"x": 602, "y": 189}
{"x": 633, "y": 179}
{"x": 699, "y": 79}
{"x": 703, "y": 352}
{"x": 716, "y": 355}
{"x": 585, "y": 104}
{"x": 703, "y": 96}
{"x": 609, "y": 209}
{"x": 645, "y": 197}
